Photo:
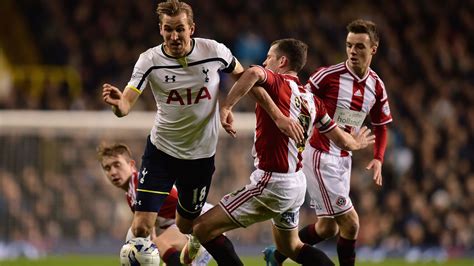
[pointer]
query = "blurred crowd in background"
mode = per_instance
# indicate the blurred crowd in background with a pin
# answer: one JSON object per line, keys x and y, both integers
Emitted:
{"x": 425, "y": 57}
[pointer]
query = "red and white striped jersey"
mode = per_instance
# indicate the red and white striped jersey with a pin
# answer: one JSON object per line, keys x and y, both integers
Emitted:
{"x": 168, "y": 208}
{"x": 348, "y": 100}
{"x": 274, "y": 151}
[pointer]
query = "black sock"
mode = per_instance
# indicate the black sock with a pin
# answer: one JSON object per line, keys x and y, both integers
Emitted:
{"x": 346, "y": 251}
{"x": 223, "y": 251}
{"x": 307, "y": 235}
{"x": 171, "y": 257}
{"x": 280, "y": 258}
{"x": 310, "y": 255}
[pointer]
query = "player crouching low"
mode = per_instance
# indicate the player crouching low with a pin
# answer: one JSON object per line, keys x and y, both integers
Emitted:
{"x": 120, "y": 169}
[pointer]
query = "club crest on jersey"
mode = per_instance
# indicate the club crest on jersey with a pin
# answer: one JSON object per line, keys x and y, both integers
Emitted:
{"x": 144, "y": 172}
{"x": 169, "y": 79}
{"x": 205, "y": 71}
{"x": 297, "y": 102}
{"x": 341, "y": 201}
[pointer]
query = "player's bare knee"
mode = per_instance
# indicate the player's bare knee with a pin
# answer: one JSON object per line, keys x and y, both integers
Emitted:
{"x": 350, "y": 230}
{"x": 327, "y": 230}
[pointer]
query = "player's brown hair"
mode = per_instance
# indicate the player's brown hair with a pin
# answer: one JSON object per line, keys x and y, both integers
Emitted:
{"x": 364, "y": 26}
{"x": 113, "y": 150}
{"x": 173, "y": 8}
{"x": 295, "y": 50}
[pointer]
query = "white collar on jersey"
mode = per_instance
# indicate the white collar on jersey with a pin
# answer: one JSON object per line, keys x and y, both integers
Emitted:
{"x": 183, "y": 61}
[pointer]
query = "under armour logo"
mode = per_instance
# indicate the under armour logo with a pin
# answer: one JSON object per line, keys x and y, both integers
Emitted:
{"x": 168, "y": 79}
{"x": 206, "y": 79}
{"x": 144, "y": 172}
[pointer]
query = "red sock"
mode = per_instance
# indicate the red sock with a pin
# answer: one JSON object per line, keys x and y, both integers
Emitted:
{"x": 346, "y": 251}
{"x": 309, "y": 235}
{"x": 171, "y": 257}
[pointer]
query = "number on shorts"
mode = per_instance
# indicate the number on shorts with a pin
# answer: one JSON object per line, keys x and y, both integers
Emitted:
{"x": 202, "y": 195}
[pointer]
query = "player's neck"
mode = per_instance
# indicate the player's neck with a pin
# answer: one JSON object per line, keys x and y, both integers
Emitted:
{"x": 359, "y": 72}
{"x": 185, "y": 51}
{"x": 126, "y": 185}
{"x": 289, "y": 72}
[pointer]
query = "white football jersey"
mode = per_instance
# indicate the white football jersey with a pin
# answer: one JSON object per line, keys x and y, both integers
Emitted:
{"x": 186, "y": 91}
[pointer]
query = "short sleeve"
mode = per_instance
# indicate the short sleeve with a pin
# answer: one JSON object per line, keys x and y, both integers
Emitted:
{"x": 270, "y": 83}
{"x": 140, "y": 74}
{"x": 229, "y": 59}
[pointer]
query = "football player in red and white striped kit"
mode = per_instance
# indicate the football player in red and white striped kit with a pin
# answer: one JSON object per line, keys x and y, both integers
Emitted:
{"x": 350, "y": 90}
{"x": 278, "y": 185}
{"x": 120, "y": 169}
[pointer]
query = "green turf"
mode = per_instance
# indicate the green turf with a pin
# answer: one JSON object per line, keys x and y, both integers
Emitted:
{"x": 248, "y": 261}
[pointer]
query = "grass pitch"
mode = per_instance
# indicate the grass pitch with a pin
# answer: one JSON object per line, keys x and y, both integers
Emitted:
{"x": 248, "y": 261}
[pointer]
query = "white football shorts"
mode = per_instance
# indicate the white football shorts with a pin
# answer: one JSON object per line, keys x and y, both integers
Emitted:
{"x": 269, "y": 195}
{"x": 328, "y": 179}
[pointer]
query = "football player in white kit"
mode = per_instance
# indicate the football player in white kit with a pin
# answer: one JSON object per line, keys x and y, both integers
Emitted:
{"x": 120, "y": 169}
{"x": 278, "y": 185}
{"x": 183, "y": 73}
{"x": 350, "y": 90}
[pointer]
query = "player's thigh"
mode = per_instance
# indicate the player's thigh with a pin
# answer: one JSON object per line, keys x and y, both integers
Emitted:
{"x": 155, "y": 179}
{"x": 326, "y": 227}
{"x": 193, "y": 183}
{"x": 348, "y": 224}
{"x": 287, "y": 241}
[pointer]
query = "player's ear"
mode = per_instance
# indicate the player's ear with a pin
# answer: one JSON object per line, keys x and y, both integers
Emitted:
{"x": 374, "y": 49}
{"x": 192, "y": 28}
{"x": 161, "y": 30}
{"x": 283, "y": 61}
{"x": 132, "y": 163}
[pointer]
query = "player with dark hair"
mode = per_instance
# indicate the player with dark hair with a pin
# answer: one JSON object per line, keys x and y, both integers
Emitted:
{"x": 278, "y": 185}
{"x": 350, "y": 90}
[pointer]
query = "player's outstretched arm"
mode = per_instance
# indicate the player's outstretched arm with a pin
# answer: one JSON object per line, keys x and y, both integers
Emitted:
{"x": 121, "y": 102}
{"x": 240, "y": 88}
{"x": 353, "y": 141}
